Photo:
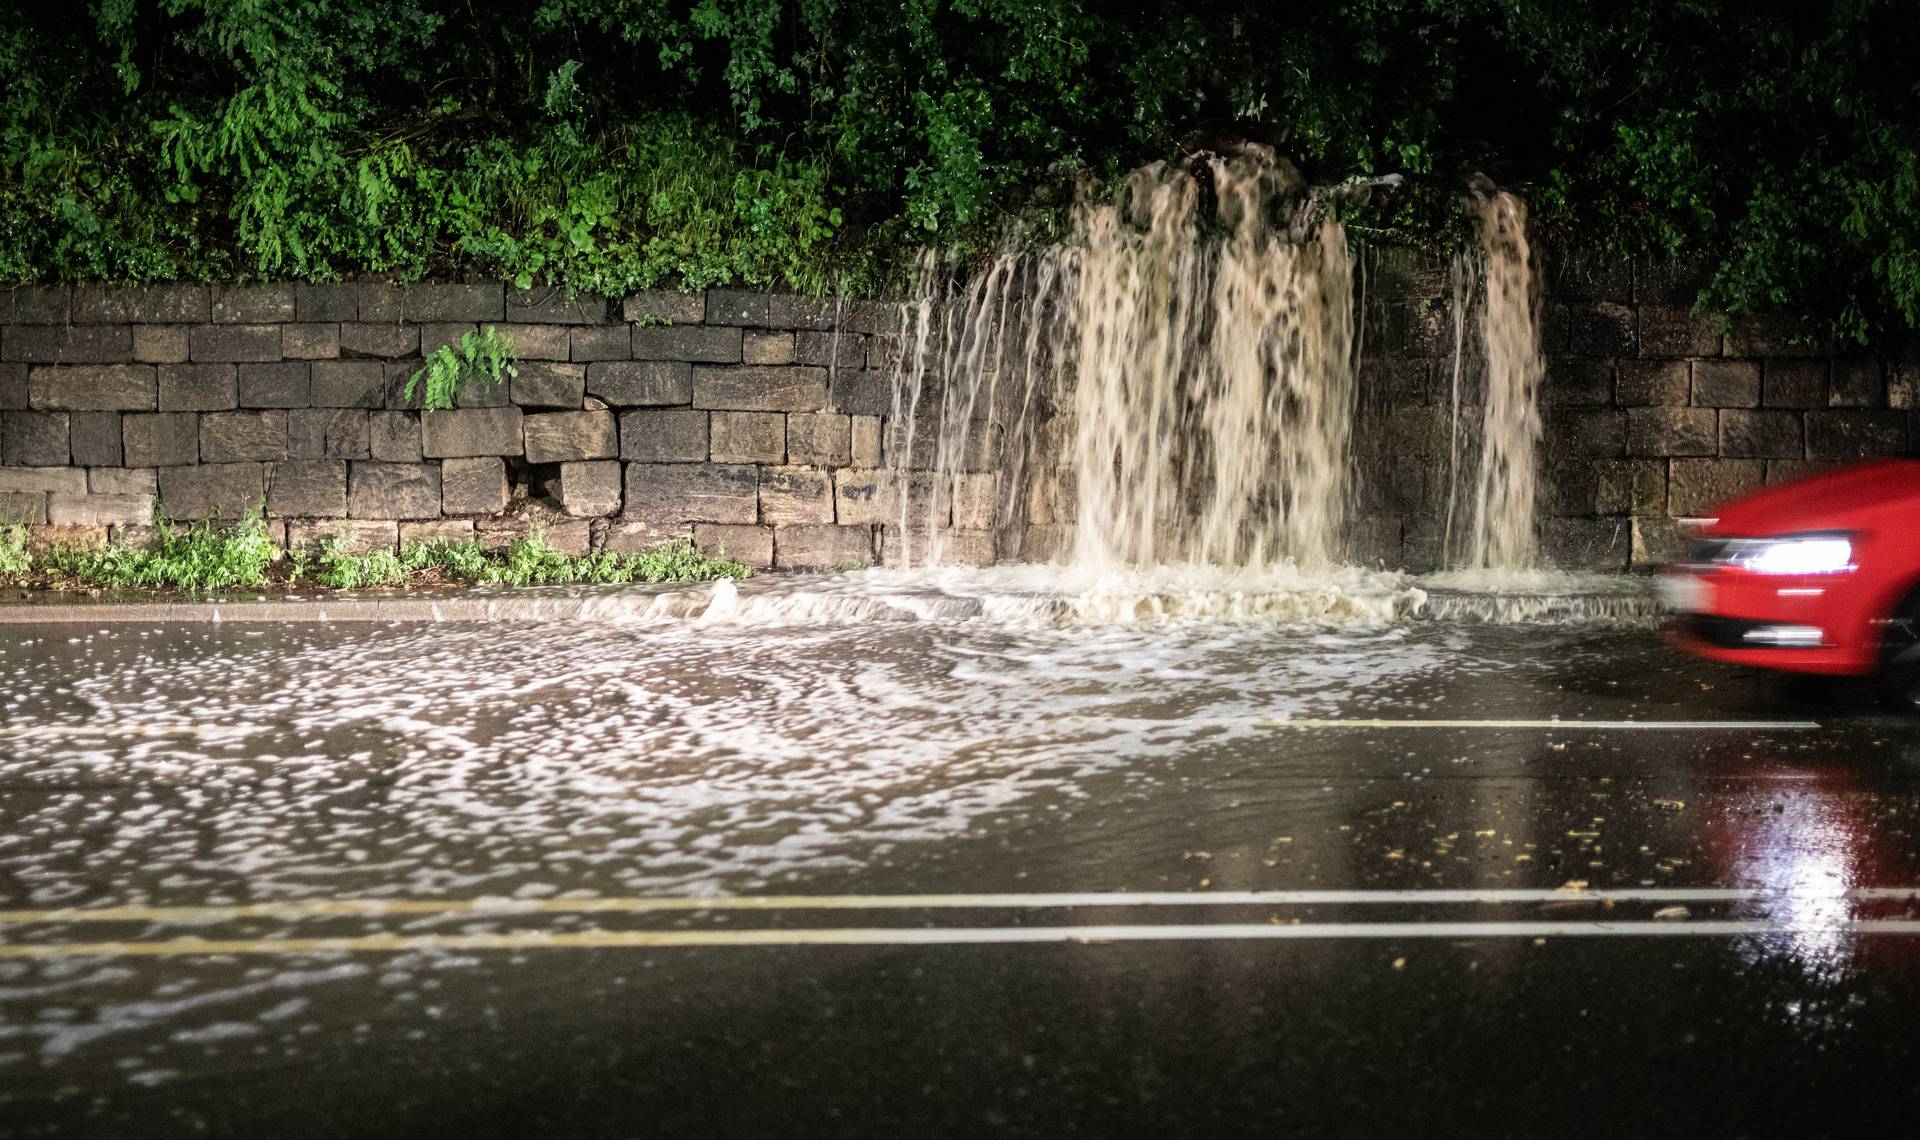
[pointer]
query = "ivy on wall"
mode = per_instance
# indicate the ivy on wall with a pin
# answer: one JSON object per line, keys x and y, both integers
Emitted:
{"x": 616, "y": 144}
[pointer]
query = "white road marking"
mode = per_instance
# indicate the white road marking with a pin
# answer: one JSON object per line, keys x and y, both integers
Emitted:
{"x": 945, "y": 936}
{"x": 1043, "y": 900}
{"x": 1564, "y": 725}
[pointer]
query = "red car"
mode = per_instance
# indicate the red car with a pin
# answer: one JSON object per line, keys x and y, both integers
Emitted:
{"x": 1817, "y": 576}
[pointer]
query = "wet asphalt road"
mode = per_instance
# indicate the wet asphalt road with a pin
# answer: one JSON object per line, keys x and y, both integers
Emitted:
{"x": 196, "y": 769}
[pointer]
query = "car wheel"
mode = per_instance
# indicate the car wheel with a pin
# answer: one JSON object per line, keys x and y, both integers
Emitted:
{"x": 1900, "y": 652}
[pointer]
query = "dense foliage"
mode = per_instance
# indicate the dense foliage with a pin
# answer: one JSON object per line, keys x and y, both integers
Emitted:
{"x": 611, "y": 144}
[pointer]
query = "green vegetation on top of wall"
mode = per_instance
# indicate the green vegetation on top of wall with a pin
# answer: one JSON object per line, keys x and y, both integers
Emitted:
{"x": 617, "y": 144}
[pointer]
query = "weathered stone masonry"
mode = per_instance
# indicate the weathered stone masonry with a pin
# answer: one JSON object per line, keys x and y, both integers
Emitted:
{"x": 746, "y": 421}
{"x": 757, "y": 423}
{"x": 1650, "y": 412}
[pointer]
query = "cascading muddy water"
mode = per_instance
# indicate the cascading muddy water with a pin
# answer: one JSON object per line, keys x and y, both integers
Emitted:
{"x": 1189, "y": 359}
{"x": 1500, "y": 533}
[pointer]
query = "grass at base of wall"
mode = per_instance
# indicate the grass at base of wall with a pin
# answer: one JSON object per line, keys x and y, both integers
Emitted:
{"x": 205, "y": 557}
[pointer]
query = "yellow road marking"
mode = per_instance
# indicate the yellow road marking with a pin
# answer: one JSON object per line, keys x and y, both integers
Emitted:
{"x": 507, "y": 908}
{"x": 937, "y": 936}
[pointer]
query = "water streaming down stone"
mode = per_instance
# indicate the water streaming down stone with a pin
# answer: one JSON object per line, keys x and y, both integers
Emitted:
{"x": 1175, "y": 384}
{"x": 1499, "y": 533}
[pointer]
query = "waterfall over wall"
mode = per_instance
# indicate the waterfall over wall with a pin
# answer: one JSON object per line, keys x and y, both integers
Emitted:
{"x": 1175, "y": 383}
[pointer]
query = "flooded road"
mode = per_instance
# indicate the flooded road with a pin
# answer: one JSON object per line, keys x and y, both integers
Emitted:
{"x": 954, "y": 875}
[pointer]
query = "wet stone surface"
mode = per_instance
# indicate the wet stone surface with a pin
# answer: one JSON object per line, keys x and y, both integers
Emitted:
{"x": 519, "y": 780}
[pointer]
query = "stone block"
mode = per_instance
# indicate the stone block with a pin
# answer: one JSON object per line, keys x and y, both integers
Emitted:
{"x": 562, "y": 437}
{"x": 641, "y": 383}
{"x": 212, "y": 490}
{"x": 786, "y": 311}
{"x": 38, "y": 304}
{"x": 1760, "y": 434}
{"x": 697, "y": 343}
{"x": 444, "y": 334}
{"x": 688, "y": 492}
{"x": 1630, "y": 487}
{"x": 1726, "y": 384}
{"x": 474, "y": 486}
{"x": 198, "y": 388}
{"x": 23, "y": 508}
{"x": 767, "y": 348}
{"x": 631, "y": 535}
{"x": 150, "y": 304}
{"x": 752, "y": 545}
{"x": 1857, "y": 383}
{"x": 862, "y": 393}
{"x": 393, "y": 490}
{"x": 1663, "y": 432}
{"x": 346, "y": 384}
{"x": 159, "y": 344}
{"x": 1772, "y": 334}
{"x": 834, "y": 349}
{"x": 865, "y": 434}
{"x": 67, "y": 344}
{"x": 43, "y": 480}
{"x": 862, "y": 496}
{"x": 1698, "y": 486}
{"x": 394, "y": 437}
{"x": 162, "y": 439}
{"x": 239, "y": 437}
{"x": 795, "y": 495}
{"x": 465, "y": 433}
{"x": 336, "y": 303}
{"x": 822, "y": 438}
{"x": 34, "y": 439}
{"x": 975, "y": 499}
{"x": 556, "y": 305}
{"x": 540, "y": 342}
{"x": 308, "y": 488}
{"x": 282, "y": 384}
{"x": 822, "y": 546}
{"x": 1795, "y": 384}
{"x": 99, "y": 510}
{"x": 94, "y": 439}
{"x": 1903, "y": 386}
{"x": 436, "y": 531}
{"x": 665, "y": 305}
{"x": 544, "y": 384}
{"x": 99, "y": 388}
{"x": 1652, "y": 383}
{"x": 122, "y": 481}
{"x": 14, "y": 394}
{"x": 587, "y": 489}
{"x": 1572, "y": 381}
{"x": 664, "y": 435}
{"x": 760, "y": 389}
{"x": 601, "y": 342}
{"x": 358, "y": 536}
{"x": 380, "y": 301}
{"x": 233, "y": 343}
{"x": 1855, "y": 434}
{"x": 328, "y": 433}
{"x": 1602, "y": 328}
{"x": 736, "y": 307}
{"x": 1666, "y": 331}
{"x": 253, "y": 304}
{"x": 310, "y": 342}
{"x": 1656, "y": 542}
{"x": 384, "y": 340}
{"x": 748, "y": 437}
{"x": 428, "y": 302}
{"x": 481, "y": 391}
{"x": 1791, "y": 470}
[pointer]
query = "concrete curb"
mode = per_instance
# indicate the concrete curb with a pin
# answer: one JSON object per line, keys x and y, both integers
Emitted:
{"x": 453, "y": 609}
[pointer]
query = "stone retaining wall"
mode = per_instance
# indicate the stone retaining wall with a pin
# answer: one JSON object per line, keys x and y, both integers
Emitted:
{"x": 748, "y": 421}
{"x": 757, "y": 423}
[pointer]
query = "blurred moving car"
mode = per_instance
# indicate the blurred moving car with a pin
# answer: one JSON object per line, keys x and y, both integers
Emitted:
{"x": 1821, "y": 575}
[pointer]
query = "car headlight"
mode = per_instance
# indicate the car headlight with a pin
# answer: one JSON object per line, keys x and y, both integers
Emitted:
{"x": 1791, "y": 554}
